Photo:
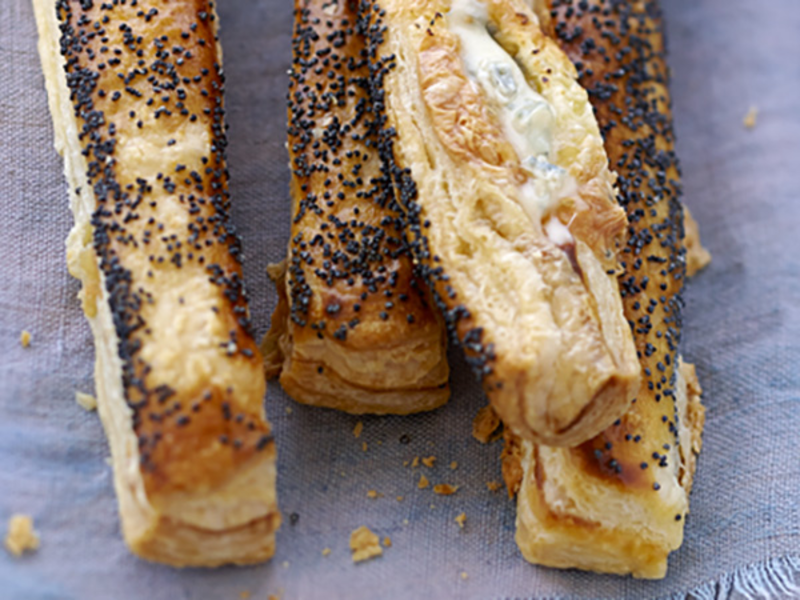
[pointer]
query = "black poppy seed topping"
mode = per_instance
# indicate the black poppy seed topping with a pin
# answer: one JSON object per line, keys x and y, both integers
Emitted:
{"x": 348, "y": 250}
{"x": 129, "y": 75}
{"x": 617, "y": 48}
{"x": 404, "y": 202}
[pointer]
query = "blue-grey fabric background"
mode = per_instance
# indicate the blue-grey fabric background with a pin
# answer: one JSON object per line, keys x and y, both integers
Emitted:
{"x": 742, "y": 331}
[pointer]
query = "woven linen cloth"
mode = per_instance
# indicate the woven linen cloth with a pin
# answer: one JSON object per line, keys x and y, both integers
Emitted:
{"x": 742, "y": 329}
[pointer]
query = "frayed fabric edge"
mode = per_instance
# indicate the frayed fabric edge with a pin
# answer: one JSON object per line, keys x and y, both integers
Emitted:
{"x": 775, "y": 578}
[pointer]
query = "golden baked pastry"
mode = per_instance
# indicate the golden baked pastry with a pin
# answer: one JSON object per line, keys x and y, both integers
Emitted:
{"x": 617, "y": 503}
{"x": 508, "y": 201}
{"x": 353, "y": 329}
{"x": 136, "y": 96}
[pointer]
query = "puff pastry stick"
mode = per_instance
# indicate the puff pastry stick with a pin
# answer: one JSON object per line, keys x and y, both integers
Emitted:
{"x": 618, "y": 502}
{"x": 136, "y": 96}
{"x": 353, "y": 329}
{"x": 506, "y": 194}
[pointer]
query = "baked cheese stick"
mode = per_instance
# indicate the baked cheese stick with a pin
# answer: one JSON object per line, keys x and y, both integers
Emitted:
{"x": 617, "y": 503}
{"x": 136, "y": 95}
{"x": 508, "y": 201}
{"x": 353, "y": 329}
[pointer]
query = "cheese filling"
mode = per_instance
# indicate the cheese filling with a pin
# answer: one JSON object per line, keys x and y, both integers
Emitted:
{"x": 527, "y": 118}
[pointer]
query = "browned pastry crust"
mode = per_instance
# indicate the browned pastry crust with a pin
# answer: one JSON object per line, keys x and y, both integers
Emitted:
{"x": 136, "y": 96}
{"x": 506, "y": 194}
{"x": 352, "y": 330}
{"x": 617, "y": 503}
{"x": 572, "y": 514}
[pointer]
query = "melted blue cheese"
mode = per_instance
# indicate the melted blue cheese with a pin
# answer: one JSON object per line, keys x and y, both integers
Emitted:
{"x": 527, "y": 118}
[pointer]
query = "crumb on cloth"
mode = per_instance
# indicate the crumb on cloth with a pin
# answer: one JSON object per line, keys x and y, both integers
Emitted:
{"x": 423, "y": 482}
{"x": 493, "y": 486}
{"x": 445, "y": 489}
{"x": 358, "y": 429}
{"x": 485, "y": 424}
{"x": 86, "y": 401}
{"x": 364, "y": 544}
{"x": 461, "y": 520}
{"x": 25, "y": 338}
{"x": 429, "y": 461}
{"x": 697, "y": 257}
{"x": 749, "y": 120}
{"x": 21, "y": 535}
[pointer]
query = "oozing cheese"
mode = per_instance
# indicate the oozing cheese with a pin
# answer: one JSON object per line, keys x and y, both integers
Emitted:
{"x": 526, "y": 117}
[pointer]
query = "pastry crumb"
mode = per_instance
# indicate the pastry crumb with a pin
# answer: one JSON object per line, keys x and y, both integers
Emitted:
{"x": 25, "y": 338}
{"x": 358, "y": 429}
{"x": 276, "y": 270}
{"x": 485, "y": 424}
{"x": 244, "y": 594}
{"x": 493, "y": 485}
{"x": 399, "y": 498}
{"x": 374, "y": 494}
{"x": 415, "y": 462}
{"x": 364, "y": 446}
{"x": 326, "y": 551}
{"x": 86, "y": 401}
{"x": 697, "y": 257}
{"x": 445, "y": 489}
{"x": 428, "y": 462}
{"x": 364, "y": 544}
{"x": 454, "y": 465}
{"x": 749, "y": 120}
{"x": 461, "y": 520}
{"x": 288, "y": 410}
{"x": 464, "y": 575}
{"x": 387, "y": 542}
{"x": 406, "y": 463}
{"x": 21, "y": 535}
{"x": 423, "y": 482}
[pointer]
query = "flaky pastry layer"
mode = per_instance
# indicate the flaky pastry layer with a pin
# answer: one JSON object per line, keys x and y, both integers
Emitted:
{"x": 353, "y": 330}
{"x": 570, "y": 513}
{"x": 135, "y": 94}
{"x": 504, "y": 187}
{"x": 617, "y": 503}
